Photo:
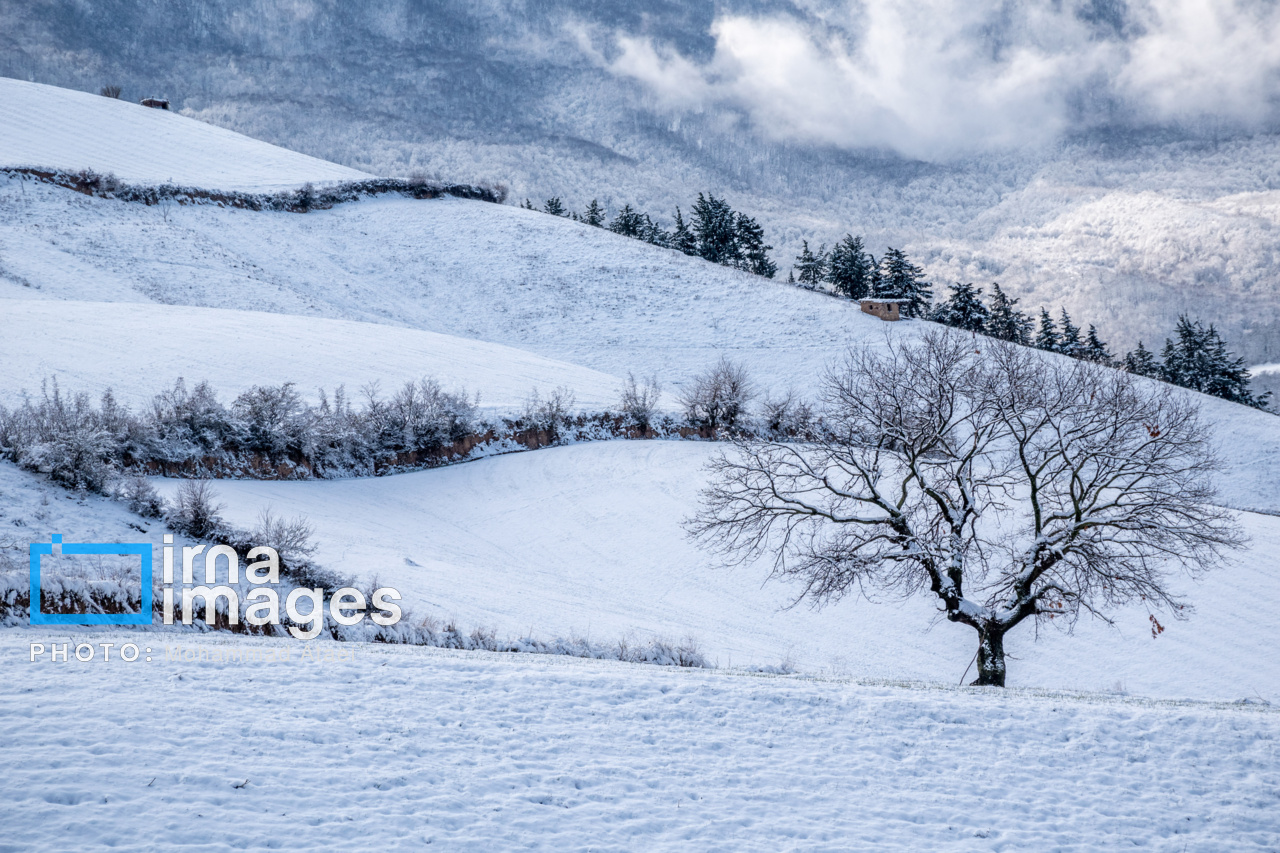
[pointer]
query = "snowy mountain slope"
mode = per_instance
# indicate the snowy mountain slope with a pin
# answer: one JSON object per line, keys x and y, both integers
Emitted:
{"x": 139, "y": 349}
{"x": 556, "y": 288}
{"x": 51, "y": 127}
{"x": 32, "y": 509}
{"x": 1122, "y": 218}
{"x": 471, "y": 751}
{"x": 587, "y": 540}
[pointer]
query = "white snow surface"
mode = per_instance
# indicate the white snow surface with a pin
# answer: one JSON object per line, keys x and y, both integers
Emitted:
{"x": 587, "y": 540}
{"x": 401, "y": 748}
{"x": 138, "y": 349}
{"x": 48, "y": 126}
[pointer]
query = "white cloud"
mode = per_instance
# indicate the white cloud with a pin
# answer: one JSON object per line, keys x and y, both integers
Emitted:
{"x": 940, "y": 78}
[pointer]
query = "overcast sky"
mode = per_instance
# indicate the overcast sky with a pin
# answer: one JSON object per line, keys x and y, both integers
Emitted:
{"x": 940, "y": 78}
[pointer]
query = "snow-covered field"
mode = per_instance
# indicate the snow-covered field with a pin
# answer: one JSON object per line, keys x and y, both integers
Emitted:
{"x": 403, "y": 748}
{"x": 587, "y": 540}
{"x": 479, "y": 751}
{"x": 47, "y": 127}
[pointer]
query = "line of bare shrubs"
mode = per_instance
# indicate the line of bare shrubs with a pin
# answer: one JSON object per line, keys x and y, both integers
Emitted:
{"x": 272, "y": 432}
{"x": 268, "y": 430}
{"x": 196, "y": 508}
{"x": 306, "y": 198}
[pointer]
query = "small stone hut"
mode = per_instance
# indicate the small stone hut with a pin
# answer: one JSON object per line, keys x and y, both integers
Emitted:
{"x": 885, "y": 309}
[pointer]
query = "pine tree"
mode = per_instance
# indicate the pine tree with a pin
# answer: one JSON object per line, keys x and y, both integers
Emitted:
{"x": 1095, "y": 350}
{"x": 963, "y": 309}
{"x": 1186, "y": 361}
{"x": 628, "y": 223}
{"x": 653, "y": 234}
{"x": 594, "y": 215}
{"x": 1006, "y": 322}
{"x": 683, "y": 239}
{"x": 904, "y": 281}
{"x": 1230, "y": 377}
{"x": 713, "y": 225}
{"x": 849, "y": 269}
{"x": 554, "y": 207}
{"x": 791, "y": 276}
{"x": 1142, "y": 362}
{"x": 1069, "y": 337}
{"x": 528, "y": 205}
{"x": 811, "y": 266}
{"x": 1047, "y": 335}
{"x": 1199, "y": 360}
{"x": 752, "y": 251}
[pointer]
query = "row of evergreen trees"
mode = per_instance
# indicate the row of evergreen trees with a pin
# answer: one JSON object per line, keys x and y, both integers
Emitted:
{"x": 1196, "y": 357}
{"x": 714, "y": 231}
{"x": 722, "y": 235}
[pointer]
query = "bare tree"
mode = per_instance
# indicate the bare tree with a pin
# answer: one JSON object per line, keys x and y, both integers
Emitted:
{"x": 110, "y": 91}
{"x": 719, "y": 397}
{"x": 1008, "y": 485}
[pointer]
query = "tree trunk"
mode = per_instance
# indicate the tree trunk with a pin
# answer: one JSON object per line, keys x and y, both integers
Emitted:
{"x": 990, "y": 658}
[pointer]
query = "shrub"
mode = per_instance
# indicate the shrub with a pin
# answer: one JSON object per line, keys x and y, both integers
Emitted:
{"x": 719, "y": 397}
{"x": 273, "y": 420}
{"x": 788, "y": 415}
{"x": 291, "y": 539}
{"x": 640, "y": 401}
{"x": 140, "y": 496}
{"x": 549, "y": 414}
{"x": 422, "y": 416}
{"x": 183, "y": 424}
{"x": 195, "y": 511}
{"x": 110, "y": 91}
{"x": 62, "y": 436}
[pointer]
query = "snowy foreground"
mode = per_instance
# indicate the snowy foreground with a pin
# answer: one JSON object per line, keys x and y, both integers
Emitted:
{"x": 395, "y": 748}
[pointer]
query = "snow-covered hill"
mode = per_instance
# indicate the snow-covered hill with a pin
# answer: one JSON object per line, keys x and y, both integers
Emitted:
{"x": 502, "y": 274}
{"x": 138, "y": 349}
{"x": 49, "y": 127}
{"x": 562, "y": 290}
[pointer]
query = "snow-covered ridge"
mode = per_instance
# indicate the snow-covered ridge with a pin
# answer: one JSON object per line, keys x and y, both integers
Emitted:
{"x": 51, "y": 127}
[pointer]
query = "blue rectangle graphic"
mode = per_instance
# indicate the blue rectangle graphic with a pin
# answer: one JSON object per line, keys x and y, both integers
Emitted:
{"x": 142, "y": 549}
